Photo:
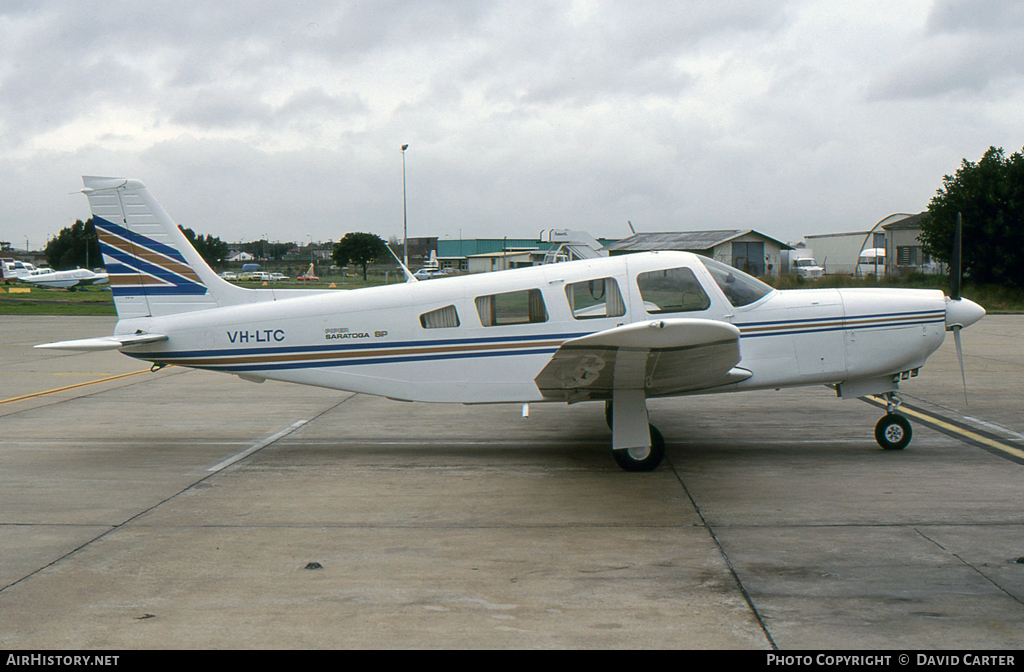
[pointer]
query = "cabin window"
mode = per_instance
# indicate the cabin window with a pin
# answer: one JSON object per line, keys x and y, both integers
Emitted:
{"x": 740, "y": 288}
{"x": 673, "y": 290}
{"x": 521, "y": 307}
{"x": 595, "y": 298}
{"x": 442, "y": 318}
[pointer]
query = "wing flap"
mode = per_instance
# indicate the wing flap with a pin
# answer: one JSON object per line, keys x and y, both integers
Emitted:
{"x": 661, "y": 357}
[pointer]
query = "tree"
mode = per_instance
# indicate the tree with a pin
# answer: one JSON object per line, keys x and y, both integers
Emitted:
{"x": 359, "y": 248}
{"x": 75, "y": 246}
{"x": 266, "y": 250}
{"x": 211, "y": 248}
{"x": 989, "y": 195}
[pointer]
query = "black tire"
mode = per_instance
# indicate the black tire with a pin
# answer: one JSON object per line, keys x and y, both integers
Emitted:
{"x": 893, "y": 432}
{"x": 649, "y": 462}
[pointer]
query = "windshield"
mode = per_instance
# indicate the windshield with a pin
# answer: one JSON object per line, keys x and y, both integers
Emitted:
{"x": 740, "y": 288}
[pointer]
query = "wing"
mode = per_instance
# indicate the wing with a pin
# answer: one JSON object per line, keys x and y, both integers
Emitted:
{"x": 662, "y": 357}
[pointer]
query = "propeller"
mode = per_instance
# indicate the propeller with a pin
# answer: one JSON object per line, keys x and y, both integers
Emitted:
{"x": 963, "y": 312}
{"x": 960, "y": 356}
{"x": 954, "y": 262}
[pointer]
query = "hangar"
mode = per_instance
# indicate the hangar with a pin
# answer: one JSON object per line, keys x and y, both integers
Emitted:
{"x": 749, "y": 251}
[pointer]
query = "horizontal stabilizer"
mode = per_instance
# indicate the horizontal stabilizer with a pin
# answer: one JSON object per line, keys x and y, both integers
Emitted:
{"x": 104, "y": 343}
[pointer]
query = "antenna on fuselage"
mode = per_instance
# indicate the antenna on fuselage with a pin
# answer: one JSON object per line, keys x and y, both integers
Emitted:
{"x": 409, "y": 277}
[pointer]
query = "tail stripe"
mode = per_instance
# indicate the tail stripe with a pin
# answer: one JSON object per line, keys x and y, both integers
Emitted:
{"x": 148, "y": 250}
{"x": 139, "y": 265}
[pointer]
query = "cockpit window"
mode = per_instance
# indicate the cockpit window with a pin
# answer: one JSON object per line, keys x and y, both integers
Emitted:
{"x": 740, "y": 288}
{"x": 673, "y": 290}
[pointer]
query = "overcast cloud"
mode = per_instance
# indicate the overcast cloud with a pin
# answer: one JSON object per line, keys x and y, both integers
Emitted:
{"x": 285, "y": 119}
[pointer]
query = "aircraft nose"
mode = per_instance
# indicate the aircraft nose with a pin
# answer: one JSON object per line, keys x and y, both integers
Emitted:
{"x": 962, "y": 313}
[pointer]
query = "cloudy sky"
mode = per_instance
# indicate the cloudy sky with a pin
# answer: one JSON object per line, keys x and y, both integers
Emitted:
{"x": 284, "y": 119}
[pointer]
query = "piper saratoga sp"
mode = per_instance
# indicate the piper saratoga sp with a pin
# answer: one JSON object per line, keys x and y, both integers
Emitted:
{"x": 619, "y": 330}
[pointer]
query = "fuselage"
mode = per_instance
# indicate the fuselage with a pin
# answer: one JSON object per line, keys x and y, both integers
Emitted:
{"x": 484, "y": 338}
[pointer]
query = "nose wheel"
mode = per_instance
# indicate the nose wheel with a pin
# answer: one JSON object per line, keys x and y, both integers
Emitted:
{"x": 893, "y": 432}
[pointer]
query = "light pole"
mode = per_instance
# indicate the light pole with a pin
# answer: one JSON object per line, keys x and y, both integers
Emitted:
{"x": 405, "y": 215}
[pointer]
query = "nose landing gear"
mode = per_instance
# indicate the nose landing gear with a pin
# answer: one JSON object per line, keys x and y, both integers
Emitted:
{"x": 893, "y": 432}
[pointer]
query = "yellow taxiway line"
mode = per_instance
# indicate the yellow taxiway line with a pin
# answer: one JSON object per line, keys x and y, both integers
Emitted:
{"x": 992, "y": 443}
{"x": 70, "y": 387}
{"x": 955, "y": 430}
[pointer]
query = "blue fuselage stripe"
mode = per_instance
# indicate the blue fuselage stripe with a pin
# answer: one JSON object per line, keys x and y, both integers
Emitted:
{"x": 369, "y": 353}
{"x": 340, "y": 348}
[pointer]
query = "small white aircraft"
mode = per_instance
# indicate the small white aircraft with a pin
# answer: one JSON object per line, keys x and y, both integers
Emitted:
{"x": 79, "y": 277}
{"x": 614, "y": 329}
{"x": 11, "y": 269}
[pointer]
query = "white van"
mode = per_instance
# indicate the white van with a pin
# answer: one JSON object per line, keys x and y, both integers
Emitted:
{"x": 808, "y": 268}
{"x": 871, "y": 262}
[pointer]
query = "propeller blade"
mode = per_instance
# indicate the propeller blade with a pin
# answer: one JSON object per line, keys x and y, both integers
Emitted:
{"x": 960, "y": 356}
{"x": 954, "y": 263}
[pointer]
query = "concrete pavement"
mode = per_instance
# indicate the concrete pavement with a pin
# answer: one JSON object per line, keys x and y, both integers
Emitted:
{"x": 354, "y": 521}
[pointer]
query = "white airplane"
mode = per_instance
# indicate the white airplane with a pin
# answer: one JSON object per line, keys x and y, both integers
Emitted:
{"x": 11, "y": 269}
{"x": 615, "y": 329}
{"x": 79, "y": 277}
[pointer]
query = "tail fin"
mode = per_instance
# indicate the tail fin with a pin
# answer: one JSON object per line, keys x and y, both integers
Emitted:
{"x": 153, "y": 269}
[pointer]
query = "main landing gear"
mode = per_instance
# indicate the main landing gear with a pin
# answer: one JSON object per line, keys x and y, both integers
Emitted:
{"x": 647, "y": 452}
{"x": 642, "y": 459}
{"x": 893, "y": 432}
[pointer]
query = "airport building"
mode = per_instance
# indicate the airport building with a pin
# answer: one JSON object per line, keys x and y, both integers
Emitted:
{"x": 903, "y": 253}
{"x": 477, "y": 255}
{"x": 897, "y": 234}
{"x": 749, "y": 250}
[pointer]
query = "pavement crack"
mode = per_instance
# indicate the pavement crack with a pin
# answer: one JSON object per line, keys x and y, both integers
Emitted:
{"x": 153, "y": 507}
{"x": 967, "y": 563}
{"x": 725, "y": 556}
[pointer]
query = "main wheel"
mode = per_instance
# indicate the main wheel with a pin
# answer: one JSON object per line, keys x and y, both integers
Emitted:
{"x": 893, "y": 432}
{"x": 642, "y": 459}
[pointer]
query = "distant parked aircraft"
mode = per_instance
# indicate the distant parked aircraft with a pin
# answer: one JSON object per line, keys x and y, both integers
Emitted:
{"x": 79, "y": 277}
